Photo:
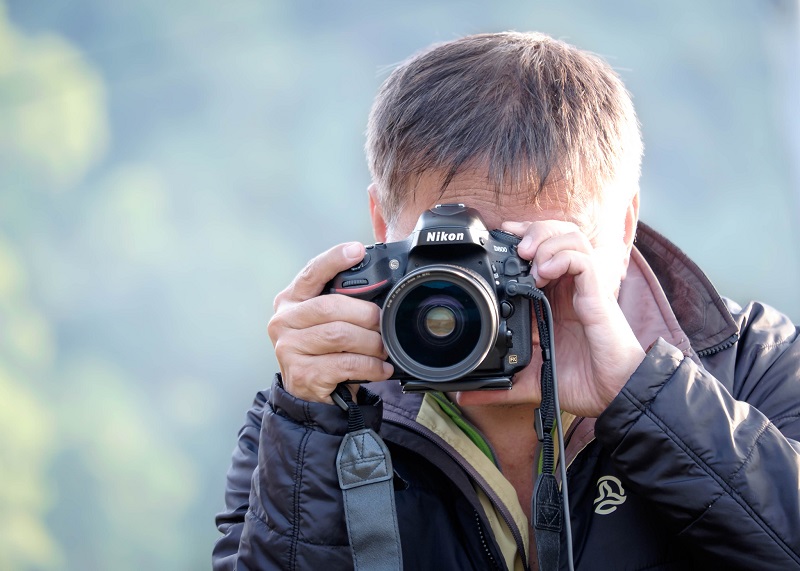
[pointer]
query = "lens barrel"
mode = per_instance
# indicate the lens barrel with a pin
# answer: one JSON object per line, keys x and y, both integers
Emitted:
{"x": 439, "y": 322}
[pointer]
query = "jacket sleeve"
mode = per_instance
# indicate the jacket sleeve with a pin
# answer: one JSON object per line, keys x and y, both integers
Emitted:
{"x": 237, "y": 489}
{"x": 284, "y": 508}
{"x": 718, "y": 455}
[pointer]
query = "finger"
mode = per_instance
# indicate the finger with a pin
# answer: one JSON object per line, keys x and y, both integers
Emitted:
{"x": 571, "y": 263}
{"x": 315, "y": 378}
{"x": 573, "y": 241}
{"x": 327, "y": 308}
{"x": 320, "y": 270}
{"x": 333, "y": 337}
{"x": 534, "y": 233}
{"x": 517, "y": 228}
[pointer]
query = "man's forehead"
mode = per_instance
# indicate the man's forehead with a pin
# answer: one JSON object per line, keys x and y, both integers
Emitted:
{"x": 478, "y": 192}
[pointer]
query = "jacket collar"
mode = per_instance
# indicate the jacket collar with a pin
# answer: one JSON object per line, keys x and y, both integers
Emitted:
{"x": 697, "y": 305}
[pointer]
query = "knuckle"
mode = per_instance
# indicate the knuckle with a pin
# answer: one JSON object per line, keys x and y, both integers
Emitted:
{"x": 311, "y": 271}
{"x": 375, "y": 313}
{"x": 351, "y": 363}
{"x": 543, "y": 227}
{"x": 282, "y": 297}
{"x": 378, "y": 347}
{"x": 274, "y": 327}
{"x": 307, "y": 273}
{"x": 326, "y": 307}
{"x": 368, "y": 313}
{"x": 309, "y": 380}
{"x": 545, "y": 252}
{"x": 337, "y": 334}
{"x": 581, "y": 238}
{"x": 282, "y": 351}
{"x": 301, "y": 381}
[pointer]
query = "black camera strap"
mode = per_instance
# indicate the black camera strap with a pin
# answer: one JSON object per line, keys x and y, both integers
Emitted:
{"x": 546, "y": 504}
{"x": 365, "y": 474}
{"x": 549, "y": 504}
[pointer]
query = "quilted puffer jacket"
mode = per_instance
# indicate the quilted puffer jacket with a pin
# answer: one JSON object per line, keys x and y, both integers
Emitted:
{"x": 694, "y": 465}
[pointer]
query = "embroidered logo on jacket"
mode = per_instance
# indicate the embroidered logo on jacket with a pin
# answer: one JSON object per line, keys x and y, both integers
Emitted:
{"x": 610, "y": 494}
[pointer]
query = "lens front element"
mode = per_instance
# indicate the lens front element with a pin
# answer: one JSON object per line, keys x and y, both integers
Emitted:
{"x": 439, "y": 322}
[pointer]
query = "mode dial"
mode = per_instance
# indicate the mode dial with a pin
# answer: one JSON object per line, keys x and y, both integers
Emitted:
{"x": 505, "y": 237}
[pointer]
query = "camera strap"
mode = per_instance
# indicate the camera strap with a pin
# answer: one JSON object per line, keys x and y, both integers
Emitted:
{"x": 546, "y": 504}
{"x": 549, "y": 504}
{"x": 365, "y": 472}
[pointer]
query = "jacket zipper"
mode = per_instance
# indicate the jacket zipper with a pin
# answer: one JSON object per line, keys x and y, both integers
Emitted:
{"x": 485, "y": 545}
{"x": 473, "y": 473}
{"x": 727, "y": 344}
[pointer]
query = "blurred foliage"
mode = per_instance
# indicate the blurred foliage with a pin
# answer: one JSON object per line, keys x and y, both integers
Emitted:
{"x": 81, "y": 449}
{"x": 27, "y": 447}
{"x": 51, "y": 109}
{"x": 167, "y": 167}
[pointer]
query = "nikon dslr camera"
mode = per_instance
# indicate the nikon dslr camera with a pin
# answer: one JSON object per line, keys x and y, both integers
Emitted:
{"x": 446, "y": 321}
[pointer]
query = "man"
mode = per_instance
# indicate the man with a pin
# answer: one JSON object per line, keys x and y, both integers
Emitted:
{"x": 683, "y": 408}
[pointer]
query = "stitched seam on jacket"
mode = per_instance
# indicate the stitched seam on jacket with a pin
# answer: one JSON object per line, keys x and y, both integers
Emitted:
{"x": 793, "y": 416}
{"x": 760, "y": 433}
{"x": 642, "y": 407}
{"x": 298, "y": 476}
{"x": 764, "y": 347}
{"x": 396, "y": 408}
{"x": 725, "y": 493}
{"x": 727, "y": 489}
{"x": 636, "y": 403}
{"x": 259, "y": 522}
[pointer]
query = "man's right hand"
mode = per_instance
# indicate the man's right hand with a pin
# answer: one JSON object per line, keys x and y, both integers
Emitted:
{"x": 322, "y": 340}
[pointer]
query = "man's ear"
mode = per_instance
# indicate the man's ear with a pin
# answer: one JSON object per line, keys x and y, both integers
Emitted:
{"x": 631, "y": 220}
{"x": 375, "y": 213}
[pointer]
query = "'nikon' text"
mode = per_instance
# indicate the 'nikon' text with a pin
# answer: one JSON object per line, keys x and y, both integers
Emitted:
{"x": 445, "y": 236}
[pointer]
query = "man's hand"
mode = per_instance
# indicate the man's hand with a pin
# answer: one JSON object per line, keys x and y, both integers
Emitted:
{"x": 596, "y": 350}
{"x": 322, "y": 340}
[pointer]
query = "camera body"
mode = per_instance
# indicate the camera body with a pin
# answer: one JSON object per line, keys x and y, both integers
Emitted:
{"x": 447, "y": 322}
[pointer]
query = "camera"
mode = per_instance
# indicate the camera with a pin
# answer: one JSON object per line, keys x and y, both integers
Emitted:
{"x": 447, "y": 321}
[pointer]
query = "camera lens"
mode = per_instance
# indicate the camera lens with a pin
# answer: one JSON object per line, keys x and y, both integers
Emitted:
{"x": 439, "y": 322}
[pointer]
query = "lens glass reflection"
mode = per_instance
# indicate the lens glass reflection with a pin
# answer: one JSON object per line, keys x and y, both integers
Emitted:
{"x": 440, "y": 321}
{"x": 438, "y": 324}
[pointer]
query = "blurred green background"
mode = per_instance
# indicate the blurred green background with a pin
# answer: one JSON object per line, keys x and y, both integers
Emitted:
{"x": 166, "y": 167}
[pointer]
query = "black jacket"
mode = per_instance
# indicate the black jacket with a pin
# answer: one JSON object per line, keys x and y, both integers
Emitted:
{"x": 695, "y": 464}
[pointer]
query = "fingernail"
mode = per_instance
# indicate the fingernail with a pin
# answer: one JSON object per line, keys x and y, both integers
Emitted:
{"x": 526, "y": 243}
{"x": 353, "y": 251}
{"x": 387, "y": 368}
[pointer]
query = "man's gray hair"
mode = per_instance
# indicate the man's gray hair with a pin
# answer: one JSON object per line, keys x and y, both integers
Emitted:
{"x": 531, "y": 109}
